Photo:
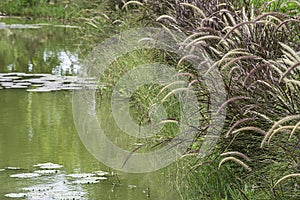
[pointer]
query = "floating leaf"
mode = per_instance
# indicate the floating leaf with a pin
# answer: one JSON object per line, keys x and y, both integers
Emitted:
{"x": 13, "y": 168}
{"x": 46, "y": 172}
{"x": 38, "y": 188}
{"x": 89, "y": 180}
{"x": 132, "y": 186}
{"x": 59, "y": 189}
{"x": 82, "y": 175}
{"x": 25, "y": 175}
{"x": 44, "y": 82}
{"x": 18, "y": 87}
{"x": 48, "y": 166}
{"x": 18, "y": 26}
{"x": 16, "y": 195}
{"x": 101, "y": 173}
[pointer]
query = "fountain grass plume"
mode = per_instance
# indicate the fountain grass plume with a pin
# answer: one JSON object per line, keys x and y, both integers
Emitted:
{"x": 256, "y": 47}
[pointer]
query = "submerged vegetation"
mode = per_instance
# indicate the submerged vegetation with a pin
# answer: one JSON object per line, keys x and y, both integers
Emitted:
{"x": 255, "y": 45}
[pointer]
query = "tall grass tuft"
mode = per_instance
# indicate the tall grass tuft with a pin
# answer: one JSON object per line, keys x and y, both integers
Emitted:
{"x": 256, "y": 48}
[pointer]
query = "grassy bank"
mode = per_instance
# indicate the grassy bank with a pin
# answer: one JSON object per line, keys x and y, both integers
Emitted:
{"x": 256, "y": 49}
{"x": 36, "y": 9}
{"x": 48, "y": 9}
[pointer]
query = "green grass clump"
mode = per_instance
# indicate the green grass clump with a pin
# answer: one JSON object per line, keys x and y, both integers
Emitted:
{"x": 256, "y": 49}
{"x": 34, "y": 9}
{"x": 204, "y": 180}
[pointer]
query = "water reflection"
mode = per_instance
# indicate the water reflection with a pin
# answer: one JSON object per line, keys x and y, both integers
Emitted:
{"x": 38, "y": 127}
{"x": 43, "y": 50}
{"x": 69, "y": 63}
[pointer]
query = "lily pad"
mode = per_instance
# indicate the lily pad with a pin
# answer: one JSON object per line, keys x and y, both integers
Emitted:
{"x": 132, "y": 186}
{"x": 18, "y": 87}
{"x": 13, "y": 168}
{"x": 14, "y": 74}
{"x": 25, "y": 175}
{"x": 48, "y": 166}
{"x": 101, "y": 173}
{"x": 71, "y": 195}
{"x": 7, "y": 84}
{"x": 67, "y": 26}
{"x": 16, "y": 195}
{"x": 50, "y": 78}
{"x": 23, "y": 83}
{"x": 5, "y": 79}
{"x": 89, "y": 180}
{"x": 71, "y": 88}
{"x": 13, "y": 77}
{"x": 46, "y": 172}
{"x": 38, "y": 189}
{"x": 36, "y": 81}
{"x": 56, "y": 195}
{"x": 17, "y": 26}
{"x": 58, "y": 189}
{"x": 82, "y": 175}
{"x": 45, "y": 82}
{"x": 40, "y": 90}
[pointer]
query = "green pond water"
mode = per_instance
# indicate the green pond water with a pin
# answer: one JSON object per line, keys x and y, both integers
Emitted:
{"x": 39, "y": 128}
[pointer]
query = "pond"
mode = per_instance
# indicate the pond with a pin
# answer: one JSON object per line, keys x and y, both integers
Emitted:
{"x": 41, "y": 155}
